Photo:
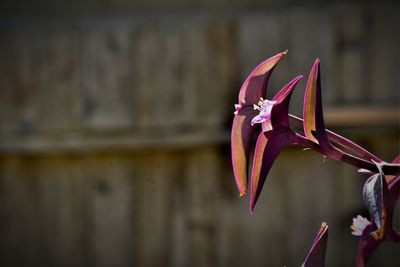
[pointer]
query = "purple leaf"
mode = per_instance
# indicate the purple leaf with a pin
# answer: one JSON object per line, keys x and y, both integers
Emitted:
{"x": 241, "y": 137}
{"x": 252, "y": 90}
{"x": 268, "y": 146}
{"x": 380, "y": 197}
{"x": 314, "y": 129}
{"x": 373, "y": 194}
{"x": 280, "y": 112}
{"x": 316, "y": 255}
{"x": 314, "y": 126}
{"x": 255, "y": 85}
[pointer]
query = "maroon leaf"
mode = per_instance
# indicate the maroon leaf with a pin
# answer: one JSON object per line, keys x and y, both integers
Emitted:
{"x": 268, "y": 146}
{"x": 255, "y": 85}
{"x": 373, "y": 235}
{"x": 375, "y": 194}
{"x": 314, "y": 126}
{"x": 316, "y": 255}
{"x": 252, "y": 90}
{"x": 241, "y": 137}
{"x": 280, "y": 111}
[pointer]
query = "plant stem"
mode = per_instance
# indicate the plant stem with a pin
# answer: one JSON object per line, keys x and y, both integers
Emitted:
{"x": 339, "y": 155}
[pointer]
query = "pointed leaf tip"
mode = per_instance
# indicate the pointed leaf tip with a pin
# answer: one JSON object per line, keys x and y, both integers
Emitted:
{"x": 313, "y": 124}
{"x": 255, "y": 85}
{"x": 287, "y": 89}
{"x": 280, "y": 112}
{"x": 310, "y": 99}
{"x": 316, "y": 255}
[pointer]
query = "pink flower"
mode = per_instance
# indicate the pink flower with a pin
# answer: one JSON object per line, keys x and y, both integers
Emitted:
{"x": 264, "y": 117}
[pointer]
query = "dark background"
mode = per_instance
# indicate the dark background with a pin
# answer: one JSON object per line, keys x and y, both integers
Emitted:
{"x": 115, "y": 120}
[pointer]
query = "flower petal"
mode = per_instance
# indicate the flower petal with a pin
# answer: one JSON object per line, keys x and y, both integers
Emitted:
{"x": 268, "y": 146}
{"x": 241, "y": 137}
{"x": 316, "y": 256}
{"x": 257, "y": 119}
{"x": 255, "y": 85}
{"x": 266, "y": 126}
{"x": 359, "y": 225}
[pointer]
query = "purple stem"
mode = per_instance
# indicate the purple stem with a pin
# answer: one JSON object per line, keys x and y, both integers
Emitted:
{"x": 339, "y": 155}
{"x": 341, "y": 141}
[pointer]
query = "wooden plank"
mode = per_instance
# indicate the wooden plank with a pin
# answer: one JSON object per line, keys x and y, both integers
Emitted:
{"x": 62, "y": 213}
{"x": 214, "y": 105}
{"x": 312, "y": 33}
{"x": 159, "y": 75}
{"x": 36, "y": 59}
{"x": 209, "y": 72}
{"x": 201, "y": 210}
{"x": 111, "y": 195}
{"x": 260, "y": 239}
{"x": 108, "y": 92}
{"x": 21, "y": 75}
{"x": 352, "y": 45}
{"x": 351, "y": 76}
{"x": 18, "y": 211}
{"x": 260, "y": 37}
{"x": 59, "y": 100}
{"x": 155, "y": 188}
{"x": 302, "y": 187}
{"x": 8, "y": 74}
{"x": 384, "y": 64}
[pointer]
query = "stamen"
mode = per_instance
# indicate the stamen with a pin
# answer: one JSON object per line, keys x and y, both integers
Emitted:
{"x": 258, "y": 107}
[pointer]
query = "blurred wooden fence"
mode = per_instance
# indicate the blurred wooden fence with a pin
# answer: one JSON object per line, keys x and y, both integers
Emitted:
{"x": 114, "y": 132}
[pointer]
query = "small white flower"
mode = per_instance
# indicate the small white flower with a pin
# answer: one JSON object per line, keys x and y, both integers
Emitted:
{"x": 359, "y": 225}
